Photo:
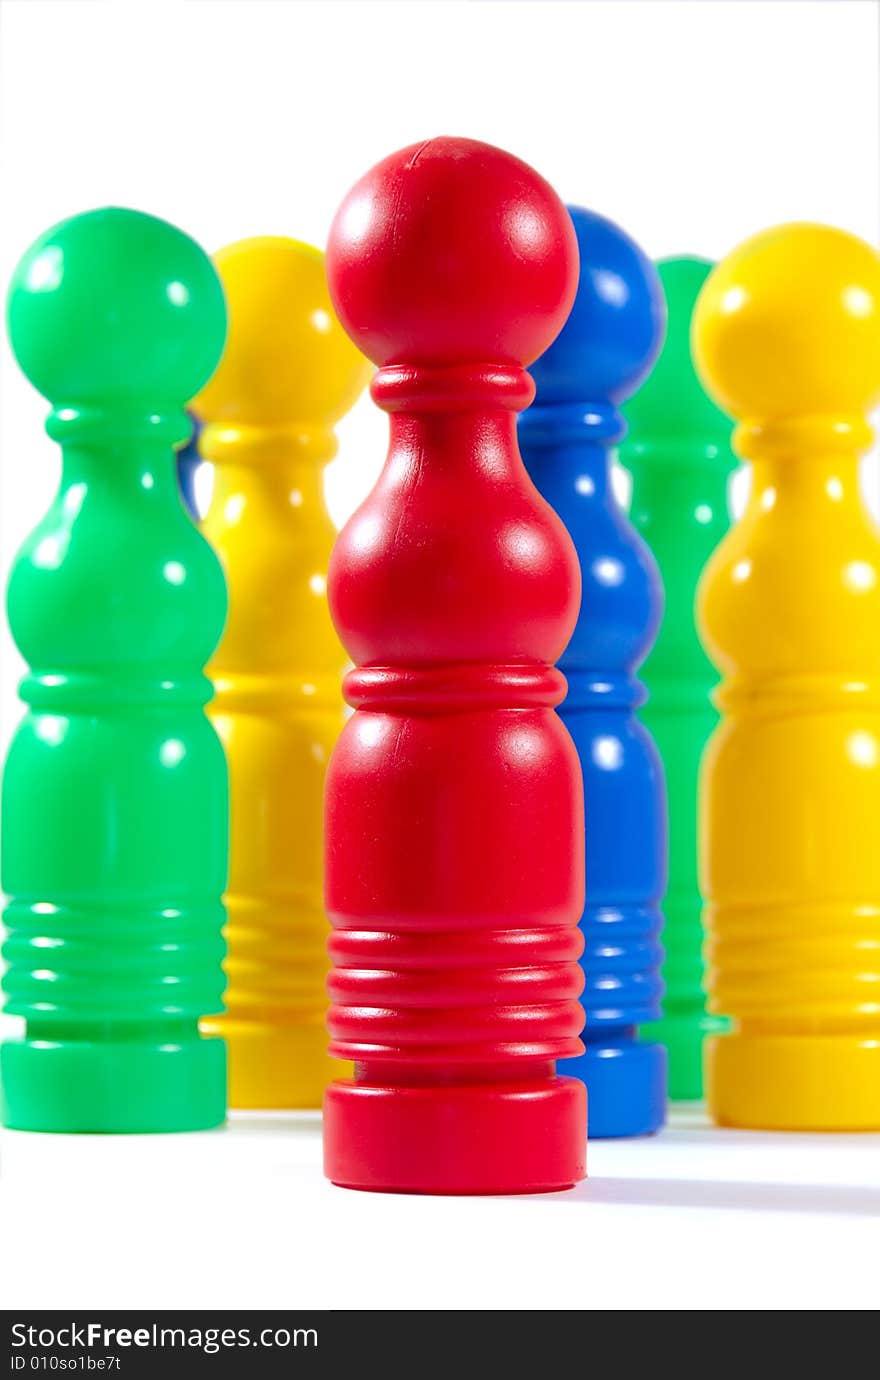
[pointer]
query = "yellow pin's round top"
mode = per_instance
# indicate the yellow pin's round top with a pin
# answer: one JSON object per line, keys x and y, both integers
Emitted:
{"x": 788, "y": 325}
{"x": 287, "y": 358}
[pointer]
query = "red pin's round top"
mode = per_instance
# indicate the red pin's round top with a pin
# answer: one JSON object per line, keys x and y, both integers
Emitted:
{"x": 452, "y": 252}
{"x": 454, "y": 866}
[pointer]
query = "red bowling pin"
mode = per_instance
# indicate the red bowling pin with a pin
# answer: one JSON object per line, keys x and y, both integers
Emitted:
{"x": 453, "y": 808}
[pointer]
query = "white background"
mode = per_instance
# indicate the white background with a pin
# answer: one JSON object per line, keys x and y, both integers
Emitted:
{"x": 692, "y": 124}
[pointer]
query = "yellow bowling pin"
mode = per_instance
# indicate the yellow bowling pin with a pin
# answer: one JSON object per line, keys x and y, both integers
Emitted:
{"x": 289, "y": 373}
{"x": 786, "y": 335}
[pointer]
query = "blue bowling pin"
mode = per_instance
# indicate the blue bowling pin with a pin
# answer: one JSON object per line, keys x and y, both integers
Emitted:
{"x": 188, "y": 461}
{"x": 567, "y": 439}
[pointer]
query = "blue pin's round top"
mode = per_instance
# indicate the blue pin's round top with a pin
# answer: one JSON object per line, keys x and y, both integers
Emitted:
{"x": 616, "y": 326}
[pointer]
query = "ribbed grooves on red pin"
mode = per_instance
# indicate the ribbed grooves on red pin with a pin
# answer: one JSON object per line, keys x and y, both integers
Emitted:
{"x": 454, "y": 388}
{"x": 466, "y": 996}
{"x": 456, "y": 687}
{"x": 621, "y": 961}
{"x": 112, "y": 961}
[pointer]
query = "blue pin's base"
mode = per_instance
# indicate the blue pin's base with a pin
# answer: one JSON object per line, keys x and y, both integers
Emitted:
{"x": 626, "y": 1087}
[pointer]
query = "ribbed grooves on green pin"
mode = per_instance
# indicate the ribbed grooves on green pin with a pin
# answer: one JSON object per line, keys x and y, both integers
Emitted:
{"x": 683, "y": 964}
{"x": 684, "y": 1024}
{"x": 678, "y": 448}
{"x": 684, "y": 696}
{"x": 92, "y": 691}
{"x": 100, "y": 960}
{"x": 88, "y": 427}
{"x": 676, "y": 705}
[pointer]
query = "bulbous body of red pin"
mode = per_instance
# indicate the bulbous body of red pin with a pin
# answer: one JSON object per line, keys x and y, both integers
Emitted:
{"x": 453, "y": 811}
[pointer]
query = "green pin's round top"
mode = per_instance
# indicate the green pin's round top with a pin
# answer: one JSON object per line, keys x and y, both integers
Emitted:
{"x": 672, "y": 402}
{"x": 678, "y": 451}
{"x": 114, "y": 792}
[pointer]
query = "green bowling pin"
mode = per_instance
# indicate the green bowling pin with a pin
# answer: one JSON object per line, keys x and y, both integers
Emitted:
{"x": 678, "y": 452}
{"x": 115, "y": 792}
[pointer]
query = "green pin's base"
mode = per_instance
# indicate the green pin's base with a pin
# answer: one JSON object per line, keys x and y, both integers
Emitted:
{"x": 683, "y": 1035}
{"x": 125, "y": 1087}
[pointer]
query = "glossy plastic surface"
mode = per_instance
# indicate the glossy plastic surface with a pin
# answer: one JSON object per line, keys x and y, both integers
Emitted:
{"x": 787, "y": 338}
{"x": 288, "y": 373}
{"x": 454, "y": 806}
{"x": 567, "y": 436}
{"x": 188, "y": 461}
{"x": 677, "y": 449}
{"x": 114, "y": 794}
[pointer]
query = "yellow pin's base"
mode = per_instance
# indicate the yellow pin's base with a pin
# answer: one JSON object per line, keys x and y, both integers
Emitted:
{"x": 274, "y": 1068}
{"x": 794, "y": 1083}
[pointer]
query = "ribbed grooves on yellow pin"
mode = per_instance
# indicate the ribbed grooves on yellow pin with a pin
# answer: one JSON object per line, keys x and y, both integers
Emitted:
{"x": 790, "y": 437}
{"x": 277, "y": 960}
{"x": 278, "y": 695}
{"x": 269, "y": 444}
{"x": 770, "y": 697}
{"x": 807, "y": 964}
{"x": 99, "y": 960}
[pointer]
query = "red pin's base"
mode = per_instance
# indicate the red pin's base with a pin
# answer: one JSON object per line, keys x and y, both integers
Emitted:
{"x": 469, "y": 1139}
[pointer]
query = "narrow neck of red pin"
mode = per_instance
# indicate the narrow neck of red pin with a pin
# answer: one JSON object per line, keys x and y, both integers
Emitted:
{"x": 462, "y": 416}
{"x": 453, "y": 388}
